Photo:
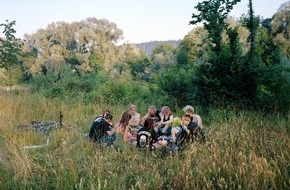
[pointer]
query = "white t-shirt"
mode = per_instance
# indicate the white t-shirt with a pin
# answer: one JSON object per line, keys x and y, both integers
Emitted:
{"x": 135, "y": 120}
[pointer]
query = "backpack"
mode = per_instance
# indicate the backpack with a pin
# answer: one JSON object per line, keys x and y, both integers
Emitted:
{"x": 182, "y": 137}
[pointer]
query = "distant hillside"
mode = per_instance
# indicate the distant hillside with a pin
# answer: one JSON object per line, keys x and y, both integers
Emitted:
{"x": 149, "y": 46}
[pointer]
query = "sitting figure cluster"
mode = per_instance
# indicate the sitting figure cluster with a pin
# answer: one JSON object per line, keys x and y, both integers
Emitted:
{"x": 155, "y": 130}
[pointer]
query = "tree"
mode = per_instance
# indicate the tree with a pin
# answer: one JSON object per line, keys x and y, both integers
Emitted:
{"x": 281, "y": 28}
{"x": 213, "y": 14}
{"x": 163, "y": 57}
{"x": 217, "y": 78}
{"x": 87, "y": 45}
{"x": 193, "y": 47}
{"x": 10, "y": 49}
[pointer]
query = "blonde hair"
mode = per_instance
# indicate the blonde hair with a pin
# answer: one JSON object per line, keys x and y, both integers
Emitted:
{"x": 176, "y": 122}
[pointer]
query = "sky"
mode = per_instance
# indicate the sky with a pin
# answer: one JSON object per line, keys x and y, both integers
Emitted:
{"x": 140, "y": 20}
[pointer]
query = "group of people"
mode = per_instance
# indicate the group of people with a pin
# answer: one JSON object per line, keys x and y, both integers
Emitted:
{"x": 157, "y": 129}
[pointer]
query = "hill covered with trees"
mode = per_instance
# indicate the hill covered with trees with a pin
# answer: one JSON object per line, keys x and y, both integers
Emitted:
{"x": 148, "y": 47}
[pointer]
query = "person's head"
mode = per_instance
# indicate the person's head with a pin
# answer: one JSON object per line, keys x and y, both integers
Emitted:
{"x": 176, "y": 122}
{"x": 133, "y": 109}
{"x": 149, "y": 123}
{"x": 151, "y": 110}
{"x": 165, "y": 110}
{"x": 106, "y": 111}
{"x": 189, "y": 110}
{"x": 125, "y": 117}
{"x": 186, "y": 120}
{"x": 108, "y": 117}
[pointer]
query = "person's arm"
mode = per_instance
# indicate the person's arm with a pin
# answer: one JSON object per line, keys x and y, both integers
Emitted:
{"x": 138, "y": 118}
{"x": 144, "y": 118}
{"x": 173, "y": 132}
{"x": 199, "y": 121}
{"x": 161, "y": 121}
{"x": 125, "y": 135}
{"x": 167, "y": 122}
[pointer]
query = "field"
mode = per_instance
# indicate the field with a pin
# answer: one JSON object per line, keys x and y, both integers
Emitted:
{"x": 245, "y": 150}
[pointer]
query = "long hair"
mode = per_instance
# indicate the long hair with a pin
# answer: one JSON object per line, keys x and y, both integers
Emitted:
{"x": 124, "y": 121}
{"x": 149, "y": 123}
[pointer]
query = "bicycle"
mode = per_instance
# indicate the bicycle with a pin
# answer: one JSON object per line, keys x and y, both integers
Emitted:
{"x": 44, "y": 127}
{"x": 39, "y": 126}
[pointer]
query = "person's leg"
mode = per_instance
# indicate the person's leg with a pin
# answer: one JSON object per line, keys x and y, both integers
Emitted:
{"x": 160, "y": 144}
{"x": 164, "y": 130}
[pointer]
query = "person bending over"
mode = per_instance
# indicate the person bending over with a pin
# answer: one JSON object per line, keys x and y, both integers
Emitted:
{"x": 100, "y": 128}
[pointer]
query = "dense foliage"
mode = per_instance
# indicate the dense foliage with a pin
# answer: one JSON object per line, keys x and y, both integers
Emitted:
{"x": 240, "y": 63}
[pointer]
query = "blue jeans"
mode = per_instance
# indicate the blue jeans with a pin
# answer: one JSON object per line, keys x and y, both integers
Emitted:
{"x": 109, "y": 139}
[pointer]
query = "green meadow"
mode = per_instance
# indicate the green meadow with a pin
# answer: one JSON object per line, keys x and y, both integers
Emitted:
{"x": 244, "y": 150}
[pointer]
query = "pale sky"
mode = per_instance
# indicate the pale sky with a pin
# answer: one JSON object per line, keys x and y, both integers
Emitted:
{"x": 140, "y": 20}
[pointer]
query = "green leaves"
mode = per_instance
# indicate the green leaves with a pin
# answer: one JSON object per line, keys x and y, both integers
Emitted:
{"x": 10, "y": 48}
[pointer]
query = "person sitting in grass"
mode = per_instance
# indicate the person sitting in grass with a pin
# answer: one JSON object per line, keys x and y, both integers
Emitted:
{"x": 100, "y": 128}
{"x": 166, "y": 121}
{"x": 196, "y": 123}
{"x": 134, "y": 122}
{"x": 105, "y": 111}
{"x": 121, "y": 131}
{"x": 180, "y": 135}
{"x": 152, "y": 113}
{"x": 135, "y": 117}
{"x": 146, "y": 136}
{"x": 164, "y": 140}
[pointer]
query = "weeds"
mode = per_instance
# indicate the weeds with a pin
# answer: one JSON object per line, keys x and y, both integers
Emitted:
{"x": 247, "y": 150}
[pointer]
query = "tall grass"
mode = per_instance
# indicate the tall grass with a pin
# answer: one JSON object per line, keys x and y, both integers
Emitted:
{"x": 245, "y": 150}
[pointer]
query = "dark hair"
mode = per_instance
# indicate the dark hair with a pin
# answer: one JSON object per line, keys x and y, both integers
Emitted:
{"x": 106, "y": 111}
{"x": 149, "y": 123}
{"x": 108, "y": 116}
{"x": 126, "y": 116}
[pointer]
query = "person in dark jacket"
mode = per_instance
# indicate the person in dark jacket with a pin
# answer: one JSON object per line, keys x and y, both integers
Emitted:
{"x": 99, "y": 129}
